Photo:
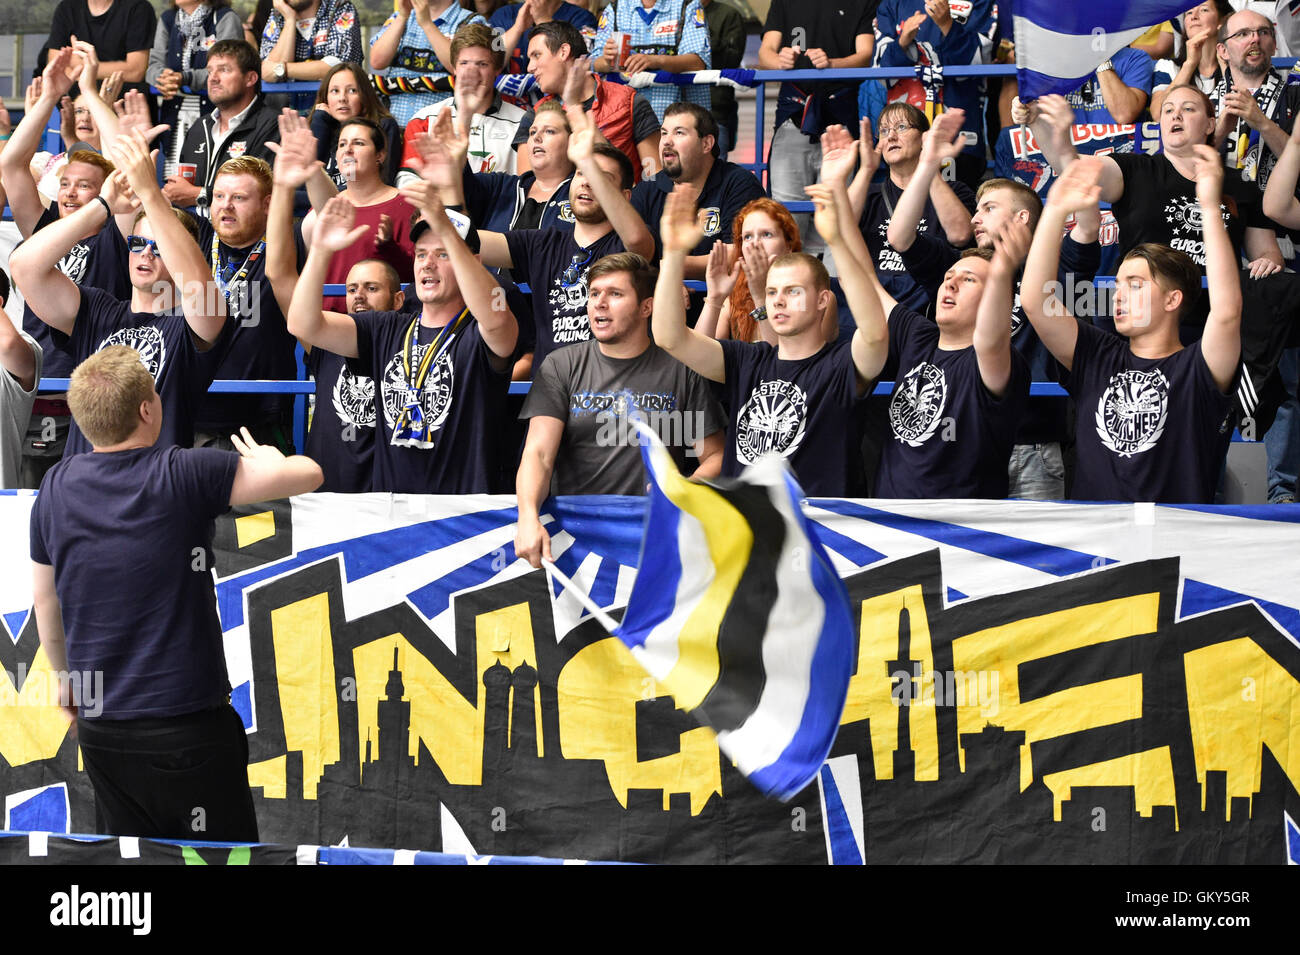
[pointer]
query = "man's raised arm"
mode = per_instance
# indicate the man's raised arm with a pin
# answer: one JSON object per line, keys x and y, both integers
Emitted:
{"x": 306, "y": 318}
{"x": 43, "y": 97}
{"x": 681, "y": 228}
{"x": 613, "y": 200}
{"x": 204, "y": 307}
{"x": 1056, "y": 327}
{"x": 1221, "y": 341}
{"x": 992, "y": 337}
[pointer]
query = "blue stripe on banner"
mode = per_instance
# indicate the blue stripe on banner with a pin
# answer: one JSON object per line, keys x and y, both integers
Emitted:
{"x": 1042, "y": 557}
{"x": 1292, "y": 840}
{"x": 828, "y": 679}
{"x": 363, "y": 555}
{"x": 659, "y": 565}
{"x": 433, "y": 598}
{"x": 1259, "y": 512}
{"x": 569, "y": 562}
{"x": 859, "y": 553}
{"x": 604, "y": 519}
{"x": 1110, "y": 16}
{"x": 954, "y": 595}
{"x": 241, "y": 698}
{"x": 844, "y": 848}
{"x": 1034, "y": 84}
{"x": 605, "y": 585}
{"x": 1199, "y": 597}
{"x": 15, "y": 622}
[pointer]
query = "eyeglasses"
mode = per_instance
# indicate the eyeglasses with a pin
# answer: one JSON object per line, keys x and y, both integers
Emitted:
{"x": 900, "y": 129}
{"x": 137, "y": 244}
{"x": 1264, "y": 33}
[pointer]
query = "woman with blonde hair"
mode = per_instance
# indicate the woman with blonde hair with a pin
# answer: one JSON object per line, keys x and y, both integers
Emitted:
{"x": 762, "y": 230}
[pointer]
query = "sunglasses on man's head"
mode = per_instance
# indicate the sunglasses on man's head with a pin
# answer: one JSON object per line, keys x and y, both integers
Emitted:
{"x": 138, "y": 243}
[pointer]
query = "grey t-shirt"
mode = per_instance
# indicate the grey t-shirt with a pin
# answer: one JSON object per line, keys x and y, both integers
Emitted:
{"x": 593, "y": 395}
{"x": 15, "y": 412}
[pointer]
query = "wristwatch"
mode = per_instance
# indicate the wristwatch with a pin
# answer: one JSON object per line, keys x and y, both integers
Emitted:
{"x": 279, "y": 70}
{"x": 1105, "y": 67}
{"x": 759, "y": 314}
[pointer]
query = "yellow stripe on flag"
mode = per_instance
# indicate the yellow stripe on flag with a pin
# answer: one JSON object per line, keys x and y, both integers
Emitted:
{"x": 730, "y": 542}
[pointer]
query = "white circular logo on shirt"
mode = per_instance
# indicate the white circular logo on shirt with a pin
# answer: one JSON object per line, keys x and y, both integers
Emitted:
{"x": 354, "y": 399}
{"x": 1131, "y": 413}
{"x": 771, "y": 422}
{"x": 147, "y": 341}
{"x": 916, "y": 407}
{"x": 438, "y": 387}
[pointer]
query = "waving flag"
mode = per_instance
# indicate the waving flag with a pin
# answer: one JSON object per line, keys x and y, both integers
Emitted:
{"x": 738, "y": 613}
{"x": 1059, "y": 45}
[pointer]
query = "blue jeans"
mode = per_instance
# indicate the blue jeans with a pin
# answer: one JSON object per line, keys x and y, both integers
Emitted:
{"x": 1282, "y": 440}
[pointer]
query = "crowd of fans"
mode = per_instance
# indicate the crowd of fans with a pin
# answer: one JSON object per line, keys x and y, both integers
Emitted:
{"x": 479, "y": 147}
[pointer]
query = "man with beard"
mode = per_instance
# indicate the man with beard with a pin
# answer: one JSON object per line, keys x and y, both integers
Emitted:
{"x": 688, "y": 147}
{"x": 555, "y": 261}
{"x": 441, "y": 376}
{"x": 1256, "y": 108}
{"x": 305, "y": 39}
{"x": 177, "y": 344}
{"x": 240, "y": 124}
{"x": 259, "y": 346}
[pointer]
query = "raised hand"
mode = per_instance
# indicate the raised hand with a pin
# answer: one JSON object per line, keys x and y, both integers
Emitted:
{"x": 249, "y": 448}
{"x": 133, "y": 114}
{"x": 945, "y": 139}
{"x": 575, "y": 81}
{"x": 421, "y": 8}
{"x": 1023, "y": 114}
{"x": 582, "y": 136}
{"x": 839, "y": 155}
{"x": 722, "y": 272}
{"x": 868, "y": 151}
{"x": 67, "y": 121}
{"x": 132, "y": 156}
{"x": 1058, "y": 114}
{"x": 1197, "y": 42}
{"x": 111, "y": 86}
{"x": 1079, "y": 188}
{"x": 295, "y": 153}
{"x": 1207, "y": 167}
{"x": 55, "y": 79}
{"x": 825, "y": 216}
{"x": 119, "y": 195}
{"x": 88, "y": 78}
{"x": 907, "y": 29}
{"x": 940, "y": 13}
{"x": 334, "y": 230}
{"x": 1010, "y": 247}
{"x": 33, "y": 95}
{"x": 681, "y": 227}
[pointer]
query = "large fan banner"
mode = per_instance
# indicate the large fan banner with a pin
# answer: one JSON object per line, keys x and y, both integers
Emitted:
{"x": 1030, "y": 682}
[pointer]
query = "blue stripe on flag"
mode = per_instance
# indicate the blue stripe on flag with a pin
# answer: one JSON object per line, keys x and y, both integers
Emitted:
{"x": 433, "y": 598}
{"x": 828, "y": 678}
{"x": 844, "y": 848}
{"x": 363, "y": 555}
{"x": 1199, "y": 597}
{"x": 1042, "y": 557}
{"x": 605, "y": 584}
{"x": 1035, "y": 84}
{"x": 859, "y": 553}
{"x": 659, "y": 563}
{"x": 1110, "y": 16}
{"x": 569, "y": 562}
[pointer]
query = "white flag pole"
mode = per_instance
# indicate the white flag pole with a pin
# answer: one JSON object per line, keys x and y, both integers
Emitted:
{"x": 605, "y": 620}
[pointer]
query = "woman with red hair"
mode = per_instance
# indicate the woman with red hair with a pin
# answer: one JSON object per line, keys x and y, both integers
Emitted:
{"x": 735, "y": 280}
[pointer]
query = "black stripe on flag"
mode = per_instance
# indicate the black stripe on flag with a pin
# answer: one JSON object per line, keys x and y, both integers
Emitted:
{"x": 741, "y": 676}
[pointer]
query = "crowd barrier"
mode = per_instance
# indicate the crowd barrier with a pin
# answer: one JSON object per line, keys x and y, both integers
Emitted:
{"x": 1033, "y": 682}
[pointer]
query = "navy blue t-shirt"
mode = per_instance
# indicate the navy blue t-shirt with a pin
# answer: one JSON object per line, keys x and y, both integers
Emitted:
{"x": 877, "y": 213}
{"x": 1150, "y": 429}
{"x": 342, "y": 435}
{"x": 129, "y": 534}
{"x": 949, "y": 436}
{"x": 98, "y": 262}
{"x": 803, "y": 410}
{"x": 728, "y": 188}
{"x": 181, "y": 373}
{"x": 555, "y": 268}
{"x": 259, "y": 346}
{"x": 464, "y": 403}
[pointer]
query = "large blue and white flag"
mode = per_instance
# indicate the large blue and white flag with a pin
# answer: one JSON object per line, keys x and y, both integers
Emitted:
{"x": 1059, "y": 45}
{"x": 739, "y": 614}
